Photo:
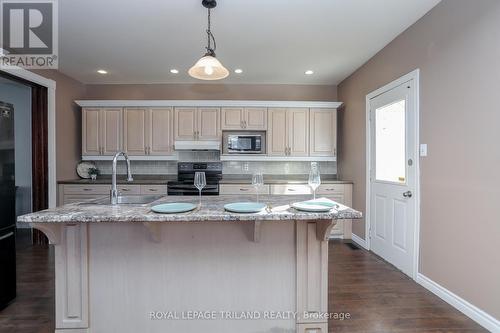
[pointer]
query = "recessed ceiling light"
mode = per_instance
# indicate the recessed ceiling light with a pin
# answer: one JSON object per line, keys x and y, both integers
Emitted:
{"x": 238, "y": 71}
{"x": 174, "y": 71}
{"x": 102, "y": 71}
{"x": 309, "y": 72}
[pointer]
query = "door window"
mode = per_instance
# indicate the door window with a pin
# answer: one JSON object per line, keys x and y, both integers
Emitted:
{"x": 390, "y": 142}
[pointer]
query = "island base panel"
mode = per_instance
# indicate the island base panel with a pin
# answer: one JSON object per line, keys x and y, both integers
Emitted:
{"x": 111, "y": 277}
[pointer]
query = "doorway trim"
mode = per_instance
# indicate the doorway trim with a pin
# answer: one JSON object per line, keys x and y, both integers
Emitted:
{"x": 415, "y": 76}
{"x": 51, "y": 123}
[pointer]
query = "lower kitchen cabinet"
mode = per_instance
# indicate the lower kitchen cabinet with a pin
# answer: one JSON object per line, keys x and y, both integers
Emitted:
{"x": 71, "y": 193}
{"x": 242, "y": 189}
{"x": 341, "y": 193}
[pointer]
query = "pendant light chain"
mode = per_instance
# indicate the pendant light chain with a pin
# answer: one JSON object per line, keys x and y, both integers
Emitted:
{"x": 210, "y": 36}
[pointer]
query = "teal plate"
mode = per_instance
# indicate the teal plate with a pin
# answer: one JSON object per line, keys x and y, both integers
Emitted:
{"x": 314, "y": 205}
{"x": 174, "y": 207}
{"x": 245, "y": 207}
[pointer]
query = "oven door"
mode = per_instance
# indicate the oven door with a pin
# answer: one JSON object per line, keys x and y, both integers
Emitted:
{"x": 247, "y": 143}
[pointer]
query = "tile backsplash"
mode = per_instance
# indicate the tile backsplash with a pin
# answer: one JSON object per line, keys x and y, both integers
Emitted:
{"x": 229, "y": 167}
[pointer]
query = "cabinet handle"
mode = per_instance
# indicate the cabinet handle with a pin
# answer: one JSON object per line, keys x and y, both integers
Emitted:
{"x": 244, "y": 124}
{"x": 329, "y": 189}
{"x": 87, "y": 189}
{"x": 152, "y": 190}
{"x": 291, "y": 189}
{"x": 125, "y": 189}
{"x": 241, "y": 124}
{"x": 243, "y": 189}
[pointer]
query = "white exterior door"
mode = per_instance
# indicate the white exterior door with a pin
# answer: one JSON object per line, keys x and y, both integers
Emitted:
{"x": 393, "y": 175}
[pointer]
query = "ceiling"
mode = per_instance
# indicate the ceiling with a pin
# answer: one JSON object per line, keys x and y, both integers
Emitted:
{"x": 273, "y": 41}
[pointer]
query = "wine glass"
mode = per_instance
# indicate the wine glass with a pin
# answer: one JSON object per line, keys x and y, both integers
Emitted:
{"x": 200, "y": 182}
{"x": 314, "y": 178}
{"x": 257, "y": 181}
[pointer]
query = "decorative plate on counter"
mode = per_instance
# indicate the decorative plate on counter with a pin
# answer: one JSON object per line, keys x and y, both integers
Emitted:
{"x": 82, "y": 169}
{"x": 173, "y": 207}
{"x": 318, "y": 205}
{"x": 245, "y": 207}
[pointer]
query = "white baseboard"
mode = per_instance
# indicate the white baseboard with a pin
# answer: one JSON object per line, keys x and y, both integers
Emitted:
{"x": 482, "y": 318}
{"x": 358, "y": 240}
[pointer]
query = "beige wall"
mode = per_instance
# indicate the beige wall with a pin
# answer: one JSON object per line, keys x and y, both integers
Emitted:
{"x": 213, "y": 91}
{"x": 457, "y": 48}
{"x": 68, "y": 123}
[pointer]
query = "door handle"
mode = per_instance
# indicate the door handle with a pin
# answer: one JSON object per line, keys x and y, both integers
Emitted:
{"x": 407, "y": 194}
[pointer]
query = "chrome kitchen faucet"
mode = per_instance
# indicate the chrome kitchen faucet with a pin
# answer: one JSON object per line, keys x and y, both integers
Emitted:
{"x": 114, "y": 190}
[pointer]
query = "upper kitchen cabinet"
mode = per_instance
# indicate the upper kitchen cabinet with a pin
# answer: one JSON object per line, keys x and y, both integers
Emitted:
{"x": 134, "y": 131}
{"x": 244, "y": 119}
{"x": 148, "y": 131}
{"x": 323, "y": 132}
{"x": 161, "y": 128}
{"x": 197, "y": 124}
{"x": 101, "y": 131}
{"x": 298, "y": 133}
{"x": 208, "y": 124}
{"x": 277, "y": 139}
{"x": 185, "y": 123}
{"x": 288, "y": 132}
{"x": 232, "y": 118}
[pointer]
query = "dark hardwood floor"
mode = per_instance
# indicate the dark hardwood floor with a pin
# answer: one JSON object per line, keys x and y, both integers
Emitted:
{"x": 381, "y": 299}
{"x": 377, "y": 297}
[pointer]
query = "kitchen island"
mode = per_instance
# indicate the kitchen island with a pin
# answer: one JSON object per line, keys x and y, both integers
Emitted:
{"x": 125, "y": 269}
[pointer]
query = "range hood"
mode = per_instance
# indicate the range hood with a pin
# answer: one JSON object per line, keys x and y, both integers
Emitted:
{"x": 197, "y": 145}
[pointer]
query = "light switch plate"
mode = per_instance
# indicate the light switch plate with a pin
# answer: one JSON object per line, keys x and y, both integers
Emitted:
{"x": 423, "y": 149}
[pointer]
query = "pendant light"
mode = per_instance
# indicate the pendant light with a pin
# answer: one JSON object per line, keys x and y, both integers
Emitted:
{"x": 208, "y": 67}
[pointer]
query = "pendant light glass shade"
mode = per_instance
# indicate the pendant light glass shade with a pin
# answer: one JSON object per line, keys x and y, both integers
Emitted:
{"x": 208, "y": 68}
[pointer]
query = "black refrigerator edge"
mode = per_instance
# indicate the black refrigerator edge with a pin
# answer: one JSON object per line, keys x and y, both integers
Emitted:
{"x": 7, "y": 206}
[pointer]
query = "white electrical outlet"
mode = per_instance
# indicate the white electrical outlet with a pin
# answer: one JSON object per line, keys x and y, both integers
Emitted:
{"x": 423, "y": 149}
{"x": 245, "y": 166}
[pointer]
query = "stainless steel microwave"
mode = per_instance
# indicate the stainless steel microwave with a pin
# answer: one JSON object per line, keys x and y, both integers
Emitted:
{"x": 244, "y": 142}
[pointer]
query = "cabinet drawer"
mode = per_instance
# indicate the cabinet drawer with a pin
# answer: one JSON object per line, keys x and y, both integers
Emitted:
{"x": 129, "y": 189}
{"x": 72, "y": 198}
{"x": 337, "y": 198}
{"x": 153, "y": 189}
{"x": 329, "y": 189}
{"x": 86, "y": 189}
{"x": 290, "y": 189}
{"x": 242, "y": 189}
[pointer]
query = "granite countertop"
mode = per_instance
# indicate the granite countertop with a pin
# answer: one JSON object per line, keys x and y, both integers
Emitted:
{"x": 226, "y": 179}
{"x": 212, "y": 209}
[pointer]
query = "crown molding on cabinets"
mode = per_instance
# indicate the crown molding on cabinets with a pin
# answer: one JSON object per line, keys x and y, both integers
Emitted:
{"x": 207, "y": 103}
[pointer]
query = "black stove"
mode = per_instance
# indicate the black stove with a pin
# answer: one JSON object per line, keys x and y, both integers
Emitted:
{"x": 184, "y": 185}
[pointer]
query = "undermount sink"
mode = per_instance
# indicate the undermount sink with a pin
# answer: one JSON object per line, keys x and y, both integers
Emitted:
{"x": 125, "y": 200}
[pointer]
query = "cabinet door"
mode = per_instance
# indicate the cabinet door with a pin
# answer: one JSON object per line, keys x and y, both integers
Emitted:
{"x": 134, "y": 131}
{"x": 277, "y": 132}
{"x": 298, "y": 135}
{"x": 111, "y": 131}
{"x": 232, "y": 118}
{"x": 159, "y": 131}
{"x": 256, "y": 119}
{"x": 323, "y": 132}
{"x": 208, "y": 124}
{"x": 91, "y": 120}
{"x": 185, "y": 123}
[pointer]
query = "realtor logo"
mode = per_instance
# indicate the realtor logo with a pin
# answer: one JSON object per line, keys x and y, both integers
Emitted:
{"x": 28, "y": 34}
